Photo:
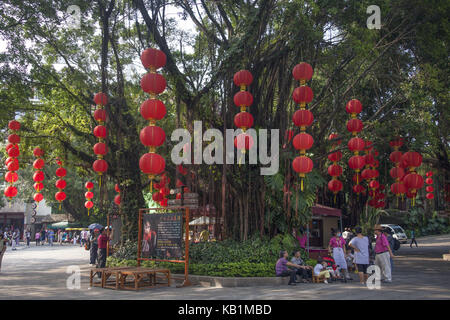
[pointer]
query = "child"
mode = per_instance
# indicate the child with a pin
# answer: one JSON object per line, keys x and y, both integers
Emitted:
{"x": 320, "y": 270}
{"x": 332, "y": 268}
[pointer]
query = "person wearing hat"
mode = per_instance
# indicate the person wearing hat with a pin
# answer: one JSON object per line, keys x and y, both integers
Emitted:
{"x": 383, "y": 253}
{"x": 94, "y": 247}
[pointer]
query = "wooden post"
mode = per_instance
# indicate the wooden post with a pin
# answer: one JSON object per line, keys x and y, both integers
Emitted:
{"x": 186, "y": 281}
{"x": 139, "y": 239}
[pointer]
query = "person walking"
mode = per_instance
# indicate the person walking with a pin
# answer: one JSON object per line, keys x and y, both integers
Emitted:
{"x": 3, "y": 244}
{"x": 51, "y": 237}
{"x": 382, "y": 254}
{"x": 94, "y": 247}
{"x": 37, "y": 237}
{"x": 361, "y": 245}
{"x": 413, "y": 239}
{"x": 14, "y": 240}
{"x": 42, "y": 237}
{"x": 28, "y": 237}
{"x": 391, "y": 241}
{"x": 336, "y": 247}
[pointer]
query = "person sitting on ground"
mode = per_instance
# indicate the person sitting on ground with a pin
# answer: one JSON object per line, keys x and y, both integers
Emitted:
{"x": 282, "y": 270}
{"x": 304, "y": 271}
{"x": 320, "y": 270}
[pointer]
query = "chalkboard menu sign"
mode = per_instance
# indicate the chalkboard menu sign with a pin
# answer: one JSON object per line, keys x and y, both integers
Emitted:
{"x": 162, "y": 235}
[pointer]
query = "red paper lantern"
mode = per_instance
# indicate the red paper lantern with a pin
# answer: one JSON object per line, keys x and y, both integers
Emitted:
{"x": 100, "y": 149}
{"x": 356, "y": 162}
{"x": 395, "y": 156}
{"x": 100, "y": 166}
{"x": 100, "y": 131}
{"x": 152, "y": 164}
{"x": 354, "y": 125}
{"x": 366, "y": 174}
{"x": 153, "y": 58}
{"x": 88, "y": 204}
{"x": 303, "y": 141}
{"x": 335, "y": 186}
{"x": 243, "y": 99}
{"x": 303, "y": 94}
{"x": 358, "y": 188}
{"x": 430, "y": 196}
{"x": 38, "y": 152}
{"x": 429, "y": 181}
{"x": 10, "y": 192}
{"x": 117, "y": 199}
{"x": 60, "y": 196}
{"x": 60, "y": 184}
{"x": 38, "y": 164}
{"x": 61, "y": 172}
{"x": 13, "y": 165}
{"x": 101, "y": 99}
{"x": 152, "y": 136}
{"x": 335, "y": 156}
{"x": 14, "y": 125}
{"x": 412, "y": 159}
{"x": 116, "y": 187}
{"x": 38, "y": 197}
{"x": 38, "y": 186}
{"x": 243, "y": 141}
{"x": 243, "y": 120}
{"x": 153, "y": 83}
{"x": 353, "y": 106}
{"x": 369, "y": 159}
{"x": 163, "y": 202}
{"x": 429, "y": 174}
{"x": 14, "y": 138}
{"x": 335, "y": 170}
{"x": 13, "y": 152}
{"x": 375, "y": 174}
{"x": 89, "y": 185}
{"x": 89, "y": 195}
{"x": 100, "y": 115}
{"x": 302, "y": 72}
{"x": 410, "y": 194}
{"x": 153, "y": 109}
{"x": 413, "y": 181}
{"x": 243, "y": 78}
{"x": 374, "y": 184}
{"x": 303, "y": 118}
{"x": 38, "y": 176}
{"x": 356, "y": 144}
{"x": 11, "y": 177}
{"x": 429, "y": 189}
{"x": 302, "y": 165}
{"x": 398, "y": 188}
{"x": 397, "y": 173}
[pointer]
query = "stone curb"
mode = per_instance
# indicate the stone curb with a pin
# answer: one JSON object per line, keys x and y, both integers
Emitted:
{"x": 222, "y": 282}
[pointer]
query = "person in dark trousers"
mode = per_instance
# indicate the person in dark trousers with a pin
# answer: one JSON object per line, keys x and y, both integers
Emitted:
{"x": 282, "y": 270}
{"x": 94, "y": 247}
{"x": 413, "y": 239}
{"x": 103, "y": 240}
{"x": 304, "y": 271}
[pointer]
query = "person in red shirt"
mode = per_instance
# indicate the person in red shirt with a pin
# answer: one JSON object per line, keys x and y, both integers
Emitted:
{"x": 102, "y": 241}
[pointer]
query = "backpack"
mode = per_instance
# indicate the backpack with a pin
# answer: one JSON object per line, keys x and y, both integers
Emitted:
{"x": 396, "y": 244}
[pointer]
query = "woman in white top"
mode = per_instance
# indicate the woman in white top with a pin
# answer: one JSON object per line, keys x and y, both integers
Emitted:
{"x": 361, "y": 245}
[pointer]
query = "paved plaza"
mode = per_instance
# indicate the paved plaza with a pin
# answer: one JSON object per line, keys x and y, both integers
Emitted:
{"x": 40, "y": 273}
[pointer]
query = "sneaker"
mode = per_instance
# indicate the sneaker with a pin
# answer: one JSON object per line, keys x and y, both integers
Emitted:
{"x": 325, "y": 281}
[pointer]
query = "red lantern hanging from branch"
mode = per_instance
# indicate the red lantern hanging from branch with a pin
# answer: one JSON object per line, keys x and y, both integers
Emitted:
{"x": 12, "y": 163}
{"x": 429, "y": 188}
{"x": 152, "y": 136}
{"x": 355, "y": 144}
{"x": 89, "y": 195}
{"x": 302, "y": 118}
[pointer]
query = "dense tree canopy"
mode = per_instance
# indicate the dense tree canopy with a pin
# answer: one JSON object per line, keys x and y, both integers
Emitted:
{"x": 49, "y": 73}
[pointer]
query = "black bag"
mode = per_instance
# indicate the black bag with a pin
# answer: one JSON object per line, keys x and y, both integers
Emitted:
{"x": 396, "y": 244}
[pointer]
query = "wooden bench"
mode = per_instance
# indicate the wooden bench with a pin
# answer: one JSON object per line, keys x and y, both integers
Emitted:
{"x": 102, "y": 271}
{"x": 143, "y": 278}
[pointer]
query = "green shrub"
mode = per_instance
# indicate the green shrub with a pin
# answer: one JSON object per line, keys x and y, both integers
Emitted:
{"x": 311, "y": 262}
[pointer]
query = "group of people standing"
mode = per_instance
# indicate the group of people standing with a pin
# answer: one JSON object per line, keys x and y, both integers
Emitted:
{"x": 345, "y": 250}
{"x": 97, "y": 244}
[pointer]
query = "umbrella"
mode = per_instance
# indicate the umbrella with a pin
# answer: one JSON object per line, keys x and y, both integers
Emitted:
{"x": 95, "y": 226}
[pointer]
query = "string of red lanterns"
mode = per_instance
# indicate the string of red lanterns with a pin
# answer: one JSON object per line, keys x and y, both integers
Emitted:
{"x": 243, "y": 120}
{"x": 413, "y": 181}
{"x": 429, "y": 189}
{"x": 397, "y": 172}
{"x": 100, "y": 149}
{"x": 335, "y": 170}
{"x": 89, "y": 195}
{"x": 355, "y": 144}
{"x": 376, "y": 189}
{"x": 302, "y": 118}
{"x": 12, "y": 162}
{"x": 152, "y": 136}
{"x": 60, "y": 184}
{"x": 38, "y": 165}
